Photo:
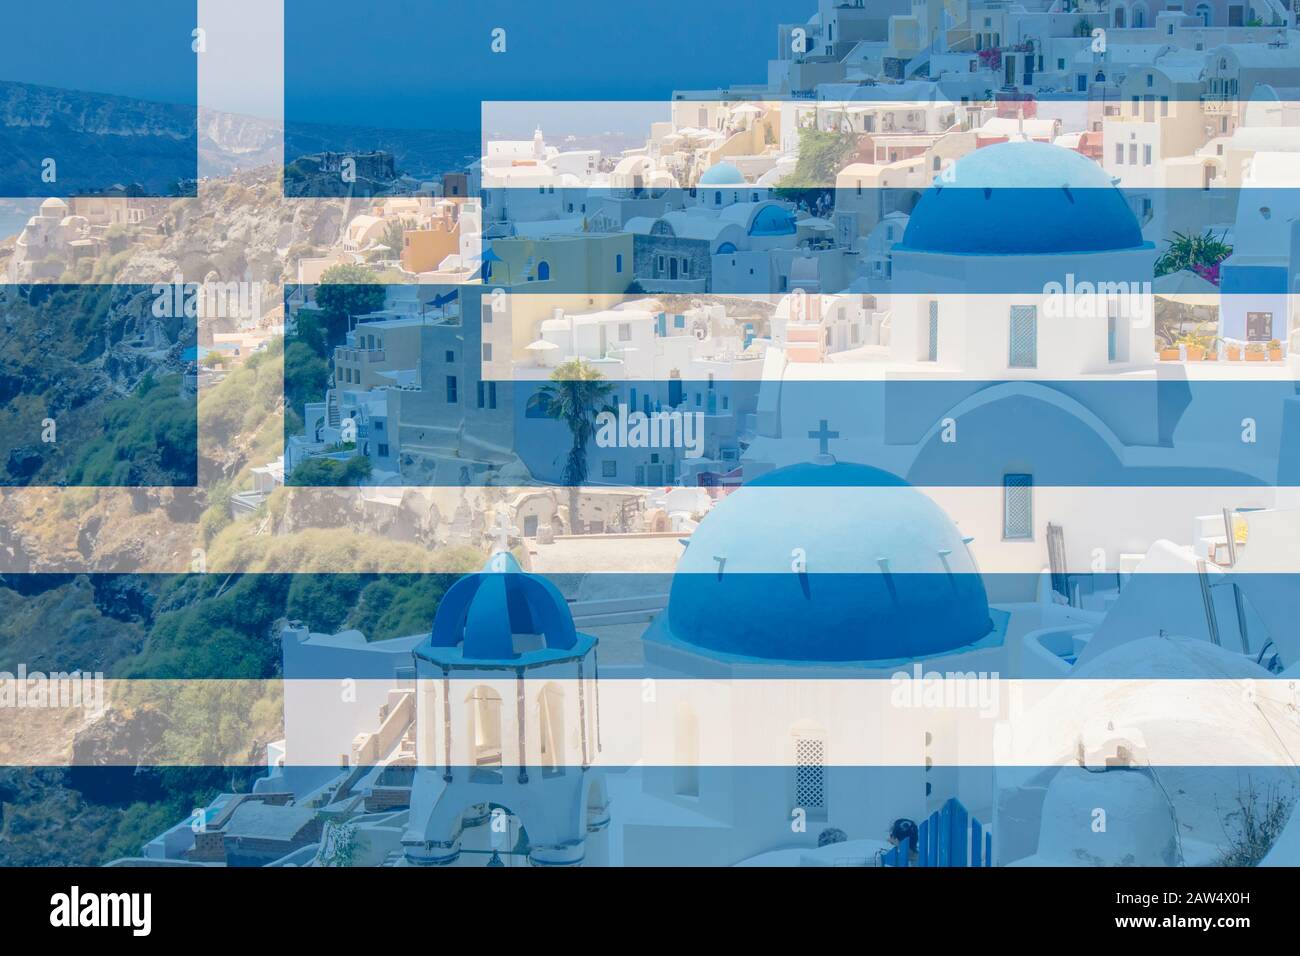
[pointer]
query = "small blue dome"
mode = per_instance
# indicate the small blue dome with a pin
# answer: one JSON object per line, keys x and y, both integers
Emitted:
{"x": 1022, "y": 198}
{"x": 501, "y": 613}
{"x": 722, "y": 174}
{"x": 773, "y": 221}
{"x": 886, "y": 577}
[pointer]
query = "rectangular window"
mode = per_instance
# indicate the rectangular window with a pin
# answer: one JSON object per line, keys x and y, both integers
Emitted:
{"x": 451, "y": 390}
{"x": 609, "y": 468}
{"x": 1112, "y": 337}
{"x": 487, "y": 351}
{"x": 810, "y": 774}
{"x": 383, "y": 450}
{"x": 1146, "y": 155}
{"x": 450, "y": 356}
{"x": 1132, "y": 154}
{"x": 482, "y": 391}
{"x": 624, "y": 332}
{"x": 1164, "y": 106}
{"x": 1017, "y": 507}
{"x": 1023, "y": 352}
{"x": 932, "y": 349}
{"x": 1119, "y": 154}
{"x": 492, "y": 394}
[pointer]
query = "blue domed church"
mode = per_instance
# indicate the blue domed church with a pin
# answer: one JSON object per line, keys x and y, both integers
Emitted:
{"x": 803, "y": 604}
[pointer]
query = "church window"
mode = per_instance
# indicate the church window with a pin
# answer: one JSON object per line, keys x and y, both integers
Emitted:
{"x": 810, "y": 773}
{"x": 1017, "y": 508}
{"x": 932, "y": 338}
{"x": 686, "y": 746}
{"x": 1023, "y": 352}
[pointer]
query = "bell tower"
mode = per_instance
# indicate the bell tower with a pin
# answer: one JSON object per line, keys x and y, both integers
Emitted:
{"x": 508, "y": 728}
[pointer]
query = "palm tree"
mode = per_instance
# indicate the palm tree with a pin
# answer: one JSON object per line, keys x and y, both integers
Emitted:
{"x": 575, "y": 395}
{"x": 1200, "y": 254}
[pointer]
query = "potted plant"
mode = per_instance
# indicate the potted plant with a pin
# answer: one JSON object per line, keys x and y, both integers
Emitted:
{"x": 1255, "y": 352}
{"x": 1196, "y": 343}
{"x": 1170, "y": 353}
{"x": 1234, "y": 352}
{"x": 1212, "y": 350}
{"x": 1275, "y": 351}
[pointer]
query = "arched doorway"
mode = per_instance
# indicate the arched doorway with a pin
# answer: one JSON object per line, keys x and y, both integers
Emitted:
{"x": 483, "y": 722}
{"x": 550, "y": 729}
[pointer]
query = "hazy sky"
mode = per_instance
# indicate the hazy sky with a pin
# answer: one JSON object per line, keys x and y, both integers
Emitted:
{"x": 429, "y": 64}
{"x": 138, "y": 48}
{"x": 144, "y": 48}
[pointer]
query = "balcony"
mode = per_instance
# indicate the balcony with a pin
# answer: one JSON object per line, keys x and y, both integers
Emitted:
{"x": 1217, "y": 104}
{"x": 366, "y": 356}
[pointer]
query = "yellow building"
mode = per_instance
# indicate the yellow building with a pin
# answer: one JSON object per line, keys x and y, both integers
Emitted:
{"x": 423, "y": 250}
{"x": 578, "y": 273}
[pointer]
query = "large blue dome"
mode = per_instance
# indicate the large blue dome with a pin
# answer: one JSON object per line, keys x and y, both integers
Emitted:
{"x": 722, "y": 174}
{"x": 1022, "y": 198}
{"x": 886, "y": 574}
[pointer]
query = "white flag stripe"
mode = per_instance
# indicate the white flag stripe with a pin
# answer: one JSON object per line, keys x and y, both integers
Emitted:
{"x": 1107, "y": 529}
{"x": 905, "y": 721}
